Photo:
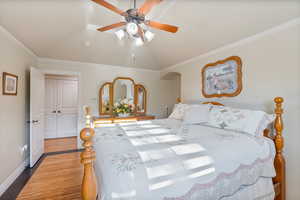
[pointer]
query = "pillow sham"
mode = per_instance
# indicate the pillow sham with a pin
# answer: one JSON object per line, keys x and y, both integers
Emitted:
{"x": 242, "y": 120}
{"x": 178, "y": 111}
{"x": 196, "y": 114}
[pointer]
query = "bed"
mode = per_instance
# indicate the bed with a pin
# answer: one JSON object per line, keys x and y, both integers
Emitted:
{"x": 167, "y": 160}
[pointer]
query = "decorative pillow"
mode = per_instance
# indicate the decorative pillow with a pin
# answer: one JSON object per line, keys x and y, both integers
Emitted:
{"x": 247, "y": 121}
{"x": 178, "y": 111}
{"x": 196, "y": 114}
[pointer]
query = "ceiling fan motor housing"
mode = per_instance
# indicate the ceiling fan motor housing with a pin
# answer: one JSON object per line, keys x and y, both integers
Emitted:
{"x": 134, "y": 16}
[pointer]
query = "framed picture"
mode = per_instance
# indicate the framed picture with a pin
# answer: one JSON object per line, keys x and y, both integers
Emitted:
{"x": 10, "y": 84}
{"x": 222, "y": 78}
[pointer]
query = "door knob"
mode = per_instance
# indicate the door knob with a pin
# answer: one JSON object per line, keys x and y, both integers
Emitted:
{"x": 54, "y": 111}
{"x": 35, "y": 121}
{"x": 59, "y": 111}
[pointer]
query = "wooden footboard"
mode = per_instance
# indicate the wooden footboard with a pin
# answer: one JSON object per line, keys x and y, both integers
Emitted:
{"x": 89, "y": 182}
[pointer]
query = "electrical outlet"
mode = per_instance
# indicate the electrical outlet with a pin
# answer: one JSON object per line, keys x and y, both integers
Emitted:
{"x": 24, "y": 149}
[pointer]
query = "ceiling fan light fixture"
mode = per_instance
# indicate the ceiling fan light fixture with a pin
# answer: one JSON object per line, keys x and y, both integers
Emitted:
{"x": 120, "y": 34}
{"x": 149, "y": 35}
{"x": 139, "y": 42}
{"x": 132, "y": 28}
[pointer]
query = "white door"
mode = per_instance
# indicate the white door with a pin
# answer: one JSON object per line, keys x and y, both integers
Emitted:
{"x": 37, "y": 95}
{"x": 67, "y": 108}
{"x": 61, "y": 107}
{"x": 50, "y": 108}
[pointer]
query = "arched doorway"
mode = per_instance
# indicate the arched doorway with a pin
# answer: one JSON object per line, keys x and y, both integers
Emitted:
{"x": 175, "y": 94}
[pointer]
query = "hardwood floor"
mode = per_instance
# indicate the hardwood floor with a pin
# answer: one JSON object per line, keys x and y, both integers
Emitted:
{"x": 57, "y": 178}
{"x": 60, "y": 144}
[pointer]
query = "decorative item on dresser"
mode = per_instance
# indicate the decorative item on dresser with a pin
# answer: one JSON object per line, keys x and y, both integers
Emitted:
{"x": 89, "y": 183}
{"x": 9, "y": 84}
{"x": 222, "y": 78}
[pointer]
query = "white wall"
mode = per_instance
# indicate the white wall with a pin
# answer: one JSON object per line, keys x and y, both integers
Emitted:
{"x": 14, "y": 110}
{"x": 92, "y": 76}
{"x": 271, "y": 67}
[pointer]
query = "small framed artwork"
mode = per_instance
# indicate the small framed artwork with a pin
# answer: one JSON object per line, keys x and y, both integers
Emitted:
{"x": 222, "y": 78}
{"x": 10, "y": 84}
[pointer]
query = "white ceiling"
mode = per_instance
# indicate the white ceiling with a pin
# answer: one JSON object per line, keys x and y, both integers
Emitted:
{"x": 57, "y": 28}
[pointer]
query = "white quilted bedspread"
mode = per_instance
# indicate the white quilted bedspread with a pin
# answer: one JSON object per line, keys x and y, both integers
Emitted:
{"x": 164, "y": 160}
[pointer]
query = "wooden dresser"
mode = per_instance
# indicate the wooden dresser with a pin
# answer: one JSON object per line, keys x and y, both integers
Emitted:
{"x": 112, "y": 120}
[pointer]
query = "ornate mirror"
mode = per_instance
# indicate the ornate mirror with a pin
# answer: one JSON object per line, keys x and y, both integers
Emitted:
{"x": 122, "y": 98}
{"x": 105, "y": 97}
{"x": 140, "y": 100}
{"x": 123, "y": 89}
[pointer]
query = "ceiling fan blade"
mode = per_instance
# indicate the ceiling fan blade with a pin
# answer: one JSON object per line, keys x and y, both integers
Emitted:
{"x": 116, "y": 25}
{"x": 164, "y": 27}
{"x": 109, "y": 6}
{"x": 148, "y": 5}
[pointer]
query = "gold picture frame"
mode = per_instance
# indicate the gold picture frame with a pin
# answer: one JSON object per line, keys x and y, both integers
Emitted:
{"x": 9, "y": 84}
{"x": 222, "y": 78}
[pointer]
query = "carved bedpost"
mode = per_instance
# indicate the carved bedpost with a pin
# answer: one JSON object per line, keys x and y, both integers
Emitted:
{"x": 89, "y": 181}
{"x": 279, "y": 161}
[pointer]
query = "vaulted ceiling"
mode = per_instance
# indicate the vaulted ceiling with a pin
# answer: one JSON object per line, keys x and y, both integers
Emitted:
{"x": 57, "y": 29}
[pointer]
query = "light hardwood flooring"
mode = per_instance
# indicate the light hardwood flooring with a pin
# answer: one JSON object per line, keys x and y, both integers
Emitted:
{"x": 60, "y": 144}
{"x": 57, "y": 178}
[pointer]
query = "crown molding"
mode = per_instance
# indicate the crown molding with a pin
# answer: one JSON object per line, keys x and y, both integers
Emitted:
{"x": 18, "y": 42}
{"x": 288, "y": 24}
{"x": 103, "y": 66}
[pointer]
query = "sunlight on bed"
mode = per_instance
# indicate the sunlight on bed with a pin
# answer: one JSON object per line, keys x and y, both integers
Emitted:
{"x": 156, "y": 131}
{"x": 150, "y": 126}
{"x": 167, "y": 175}
{"x": 105, "y": 125}
{"x": 162, "y": 170}
{"x": 197, "y": 162}
{"x": 187, "y": 149}
{"x": 165, "y": 153}
{"x": 144, "y": 122}
{"x": 161, "y": 185}
{"x": 192, "y": 162}
{"x": 130, "y": 194}
{"x": 167, "y": 158}
{"x": 143, "y": 141}
{"x": 152, "y": 155}
{"x": 202, "y": 172}
{"x": 154, "y": 140}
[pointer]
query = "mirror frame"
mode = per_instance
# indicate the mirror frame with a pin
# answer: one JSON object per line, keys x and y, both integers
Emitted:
{"x": 136, "y": 98}
{"x": 110, "y": 98}
{"x": 113, "y": 89}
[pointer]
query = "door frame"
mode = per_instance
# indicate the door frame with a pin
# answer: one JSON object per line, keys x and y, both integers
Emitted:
{"x": 79, "y": 109}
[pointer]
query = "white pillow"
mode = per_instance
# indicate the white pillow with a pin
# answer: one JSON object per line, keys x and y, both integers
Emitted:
{"x": 196, "y": 114}
{"x": 246, "y": 121}
{"x": 178, "y": 111}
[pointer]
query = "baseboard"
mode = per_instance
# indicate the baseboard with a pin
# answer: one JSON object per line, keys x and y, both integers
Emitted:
{"x": 9, "y": 180}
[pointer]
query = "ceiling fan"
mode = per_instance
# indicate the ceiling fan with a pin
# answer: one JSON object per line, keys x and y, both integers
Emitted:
{"x": 135, "y": 22}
